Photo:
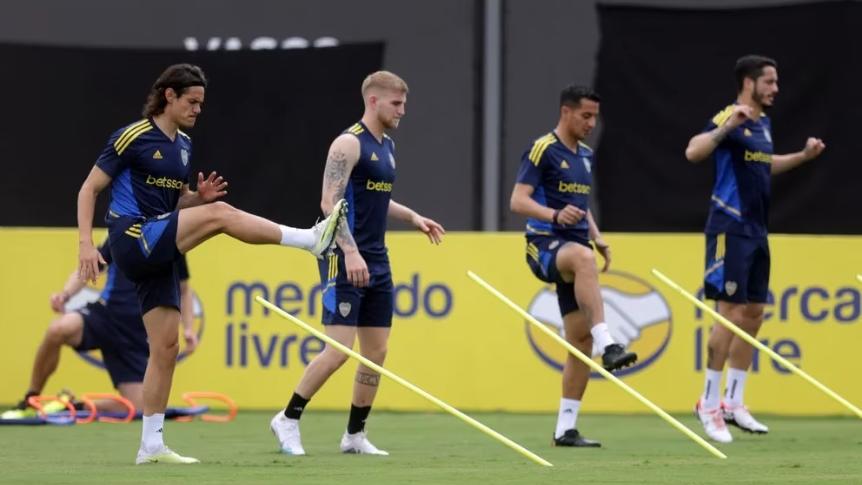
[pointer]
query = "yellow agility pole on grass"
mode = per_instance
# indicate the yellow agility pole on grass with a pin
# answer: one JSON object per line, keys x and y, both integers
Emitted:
{"x": 859, "y": 277}
{"x": 748, "y": 338}
{"x": 596, "y": 367}
{"x": 451, "y": 410}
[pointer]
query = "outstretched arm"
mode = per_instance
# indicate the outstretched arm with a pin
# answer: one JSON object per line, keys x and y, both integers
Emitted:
{"x": 73, "y": 285}
{"x": 782, "y": 163}
{"x": 431, "y": 228}
{"x": 343, "y": 156}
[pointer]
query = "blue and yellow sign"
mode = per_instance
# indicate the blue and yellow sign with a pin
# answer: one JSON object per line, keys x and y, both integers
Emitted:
{"x": 453, "y": 339}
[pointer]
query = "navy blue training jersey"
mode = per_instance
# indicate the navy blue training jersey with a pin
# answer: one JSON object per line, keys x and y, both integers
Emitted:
{"x": 369, "y": 192}
{"x": 119, "y": 294}
{"x": 559, "y": 177}
{"x": 743, "y": 162}
{"x": 147, "y": 168}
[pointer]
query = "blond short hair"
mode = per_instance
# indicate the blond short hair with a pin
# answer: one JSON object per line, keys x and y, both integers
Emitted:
{"x": 384, "y": 80}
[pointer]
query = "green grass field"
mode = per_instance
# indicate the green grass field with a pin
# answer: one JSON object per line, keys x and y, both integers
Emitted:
{"x": 438, "y": 448}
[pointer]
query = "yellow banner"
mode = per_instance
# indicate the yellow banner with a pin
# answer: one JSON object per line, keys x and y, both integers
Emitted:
{"x": 455, "y": 340}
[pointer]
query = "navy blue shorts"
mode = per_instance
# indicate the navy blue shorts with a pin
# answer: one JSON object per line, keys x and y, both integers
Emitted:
{"x": 121, "y": 338}
{"x": 737, "y": 268}
{"x": 145, "y": 250}
{"x": 542, "y": 258}
{"x": 345, "y": 304}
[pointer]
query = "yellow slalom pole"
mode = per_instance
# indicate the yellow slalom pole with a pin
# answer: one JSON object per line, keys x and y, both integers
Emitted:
{"x": 859, "y": 277}
{"x": 451, "y": 410}
{"x": 596, "y": 367}
{"x": 748, "y": 338}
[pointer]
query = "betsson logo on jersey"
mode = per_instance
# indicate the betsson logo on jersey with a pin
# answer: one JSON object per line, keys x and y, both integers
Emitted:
{"x": 378, "y": 186}
{"x": 637, "y": 315}
{"x": 165, "y": 182}
{"x": 758, "y": 157}
{"x": 573, "y": 188}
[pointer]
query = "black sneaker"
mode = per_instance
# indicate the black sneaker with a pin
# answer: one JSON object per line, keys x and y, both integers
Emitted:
{"x": 24, "y": 404}
{"x": 573, "y": 438}
{"x": 616, "y": 357}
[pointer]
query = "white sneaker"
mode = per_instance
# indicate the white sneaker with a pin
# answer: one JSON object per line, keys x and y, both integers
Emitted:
{"x": 742, "y": 419}
{"x": 163, "y": 455}
{"x": 286, "y": 431}
{"x": 326, "y": 230}
{"x": 713, "y": 423}
{"x": 358, "y": 443}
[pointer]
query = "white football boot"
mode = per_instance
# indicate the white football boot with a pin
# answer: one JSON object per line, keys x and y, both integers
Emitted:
{"x": 358, "y": 443}
{"x": 286, "y": 431}
{"x": 713, "y": 423}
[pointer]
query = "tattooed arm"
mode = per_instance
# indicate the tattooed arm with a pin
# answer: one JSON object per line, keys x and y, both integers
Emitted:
{"x": 343, "y": 156}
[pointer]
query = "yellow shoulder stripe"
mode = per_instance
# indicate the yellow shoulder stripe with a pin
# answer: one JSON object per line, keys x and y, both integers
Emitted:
{"x": 539, "y": 147}
{"x": 128, "y": 131}
{"x": 722, "y": 116}
{"x": 132, "y": 136}
{"x": 356, "y": 129}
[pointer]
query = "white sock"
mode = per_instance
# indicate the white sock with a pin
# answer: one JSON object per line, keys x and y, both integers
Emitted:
{"x": 711, "y": 396}
{"x": 297, "y": 238}
{"x": 601, "y": 335}
{"x": 735, "y": 387}
{"x": 152, "y": 438}
{"x": 567, "y": 418}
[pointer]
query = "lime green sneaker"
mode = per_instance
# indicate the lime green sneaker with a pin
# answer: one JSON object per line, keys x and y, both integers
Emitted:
{"x": 18, "y": 413}
{"x": 22, "y": 410}
{"x": 54, "y": 407}
{"x": 59, "y": 405}
{"x": 165, "y": 455}
{"x": 325, "y": 230}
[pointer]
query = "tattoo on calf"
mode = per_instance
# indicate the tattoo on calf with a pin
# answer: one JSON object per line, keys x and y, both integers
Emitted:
{"x": 372, "y": 380}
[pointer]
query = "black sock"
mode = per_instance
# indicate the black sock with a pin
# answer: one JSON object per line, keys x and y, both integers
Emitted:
{"x": 24, "y": 404}
{"x": 358, "y": 415}
{"x": 295, "y": 407}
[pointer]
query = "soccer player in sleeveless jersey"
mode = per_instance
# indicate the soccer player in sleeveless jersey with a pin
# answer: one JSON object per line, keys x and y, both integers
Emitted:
{"x": 358, "y": 300}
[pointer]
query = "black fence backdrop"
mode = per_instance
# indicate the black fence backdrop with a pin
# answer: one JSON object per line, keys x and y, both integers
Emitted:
{"x": 663, "y": 73}
{"x": 267, "y": 122}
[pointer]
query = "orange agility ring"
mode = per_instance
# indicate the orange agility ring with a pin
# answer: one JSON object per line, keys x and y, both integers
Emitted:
{"x": 37, "y": 403}
{"x": 88, "y": 398}
{"x": 190, "y": 398}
